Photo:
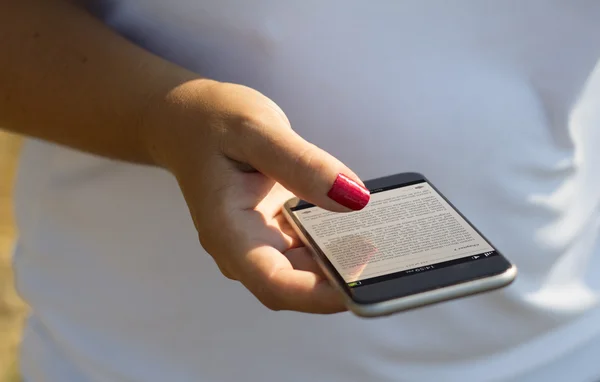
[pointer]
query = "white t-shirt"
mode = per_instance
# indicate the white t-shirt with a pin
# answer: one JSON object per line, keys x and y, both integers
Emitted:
{"x": 497, "y": 102}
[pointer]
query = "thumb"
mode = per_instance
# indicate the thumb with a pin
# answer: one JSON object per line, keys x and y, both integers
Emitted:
{"x": 309, "y": 172}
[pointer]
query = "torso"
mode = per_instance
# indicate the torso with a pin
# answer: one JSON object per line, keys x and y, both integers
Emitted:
{"x": 498, "y": 103}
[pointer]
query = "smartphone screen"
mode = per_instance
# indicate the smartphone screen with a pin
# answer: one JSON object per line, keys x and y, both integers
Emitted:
{"x": 407, "y": 229}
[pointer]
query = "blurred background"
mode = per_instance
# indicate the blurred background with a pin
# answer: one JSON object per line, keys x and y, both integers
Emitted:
{"x": 12, "y": 309}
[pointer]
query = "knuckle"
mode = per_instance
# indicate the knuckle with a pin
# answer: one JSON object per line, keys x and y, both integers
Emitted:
{"x": 271, "y": 299}
{"x": 307, "y": 165}
{"x": 271, "y": 304}
{"x": 213, "y": 248}
{"x": 306, "y": 157}
{"x": 253, "y": 126}
{"x": 207, "y": 242}
{"x": 241, "y": 116}
{"x": 214, "y": 241}
{"x": 226, "y": 272}
{"x": 250, "y": 127}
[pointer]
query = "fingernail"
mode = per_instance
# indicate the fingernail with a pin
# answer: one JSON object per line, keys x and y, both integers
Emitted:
{"x": 348, "y": 193}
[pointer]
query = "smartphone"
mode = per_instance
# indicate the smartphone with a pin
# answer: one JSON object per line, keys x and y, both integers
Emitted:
{"x": 408, "y": 248}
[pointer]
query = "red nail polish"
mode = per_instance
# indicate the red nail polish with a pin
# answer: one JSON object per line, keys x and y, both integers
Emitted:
{"x": 348, "y": 193}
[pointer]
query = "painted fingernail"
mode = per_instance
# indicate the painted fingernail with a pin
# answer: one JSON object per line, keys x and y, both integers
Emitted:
{"x": 348, "y": 193}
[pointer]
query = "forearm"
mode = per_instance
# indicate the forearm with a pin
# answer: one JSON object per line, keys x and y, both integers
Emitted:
{"x": 66, "y": 78}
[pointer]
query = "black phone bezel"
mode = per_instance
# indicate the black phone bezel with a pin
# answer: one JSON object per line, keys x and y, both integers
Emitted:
{"x": 419, "y": 282}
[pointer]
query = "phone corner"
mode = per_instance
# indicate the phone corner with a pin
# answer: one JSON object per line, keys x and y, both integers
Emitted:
{"x": 511, "y": 273}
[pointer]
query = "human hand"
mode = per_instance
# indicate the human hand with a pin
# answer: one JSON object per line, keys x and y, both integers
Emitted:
{"x": 237, "y": 161}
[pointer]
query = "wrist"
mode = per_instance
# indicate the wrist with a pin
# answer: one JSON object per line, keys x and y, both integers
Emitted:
{"x": 174, "y": 125}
